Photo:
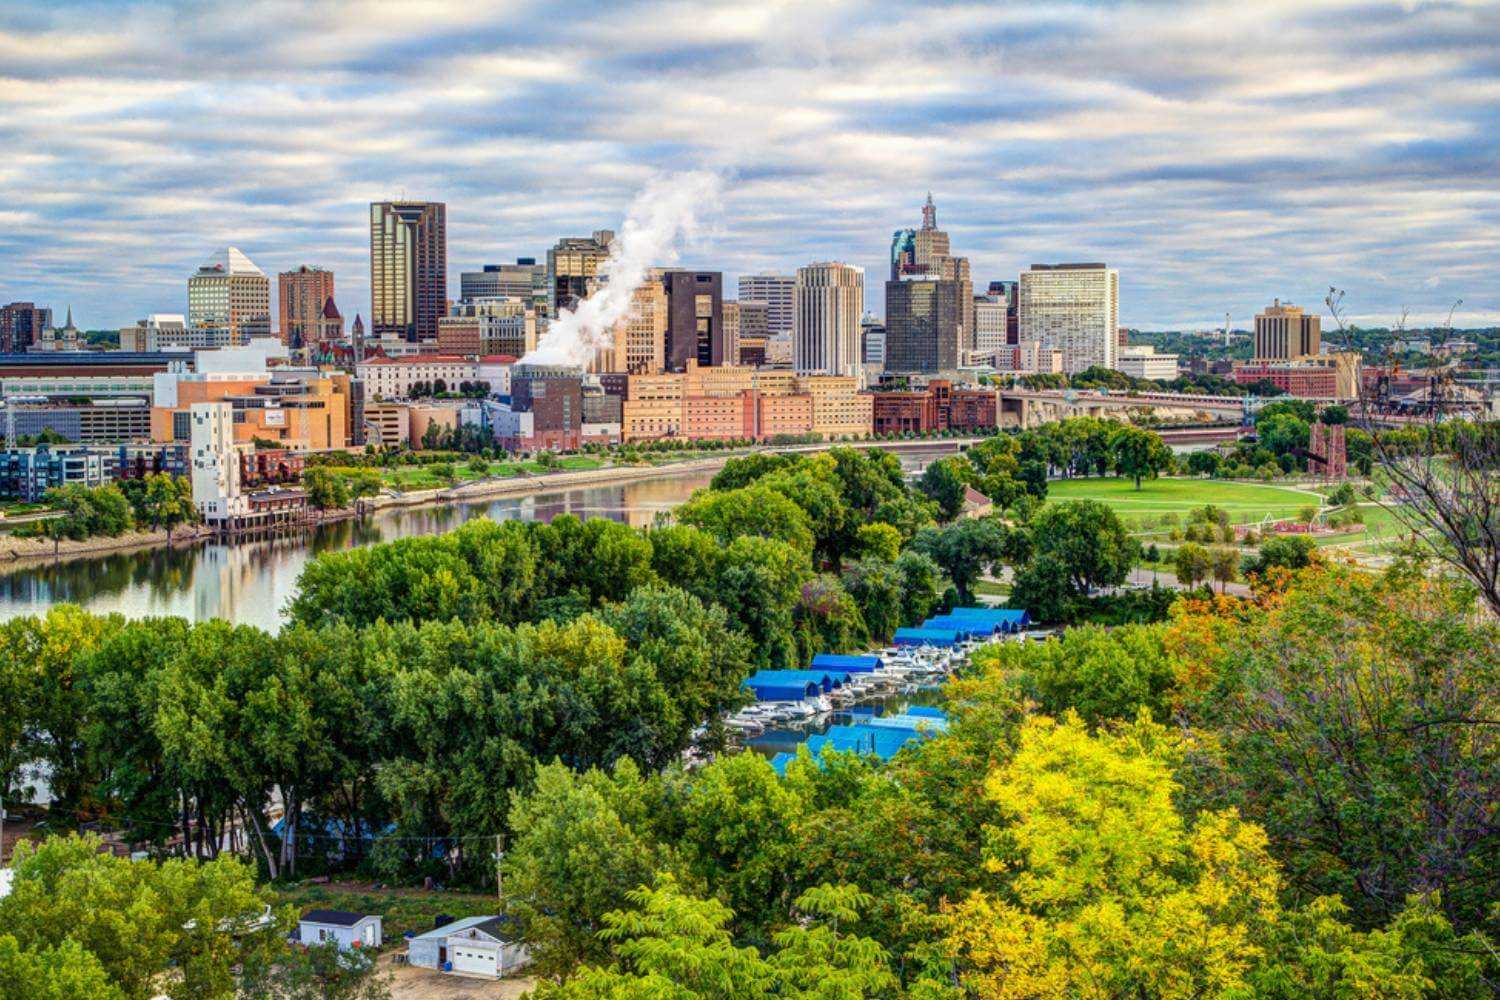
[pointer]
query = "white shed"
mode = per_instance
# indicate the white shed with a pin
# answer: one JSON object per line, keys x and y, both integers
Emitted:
{"x": 350, "y": 930}
{"x": 474, "y": 946}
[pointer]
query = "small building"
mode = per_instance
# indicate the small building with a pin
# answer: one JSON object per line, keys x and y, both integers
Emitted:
{"x": 350, "y": 930}
{"x": 474, "y": 946}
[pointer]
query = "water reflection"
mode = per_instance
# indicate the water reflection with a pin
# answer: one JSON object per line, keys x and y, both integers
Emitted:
{"x": 251, "y": 581}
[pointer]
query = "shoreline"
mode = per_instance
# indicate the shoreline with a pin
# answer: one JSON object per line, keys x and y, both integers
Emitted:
{"x": 27, "y": 553}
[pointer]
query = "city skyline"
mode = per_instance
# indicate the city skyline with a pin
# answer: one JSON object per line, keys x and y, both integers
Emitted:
{"x": 1219, "y": 159}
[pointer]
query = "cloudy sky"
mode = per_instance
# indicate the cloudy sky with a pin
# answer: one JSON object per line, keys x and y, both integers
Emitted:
{"x": 1219, "y": 154}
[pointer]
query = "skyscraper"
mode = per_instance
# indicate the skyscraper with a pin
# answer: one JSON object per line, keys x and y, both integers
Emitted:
{"x": 695, "y": 318}
{"x": 922, "y": 325}
{"x": 1283, "y": 331}
{"x": 301, "y": 296}
{"x": 927, "y": 252}
{"x": 571, "y": 265}
{"x": 408, "y": 268}
{"x": 1073, "y": 308}
{"x": 828, "y": 300}
{"x": 21, "y": 325}
{"x": 775, "y": 290}
{"x": 231, "y": 296}
{"x": 525, "y": 279}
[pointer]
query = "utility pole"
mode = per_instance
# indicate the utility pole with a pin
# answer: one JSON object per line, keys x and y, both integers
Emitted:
{"x": 500, "y": 855}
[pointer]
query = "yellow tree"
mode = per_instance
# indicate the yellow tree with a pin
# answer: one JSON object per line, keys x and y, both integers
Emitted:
{"x": 1110, "y": 892}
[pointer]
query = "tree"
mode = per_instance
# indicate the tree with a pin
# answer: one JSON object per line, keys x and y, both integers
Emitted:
{"x": 1139, "y": 453}
{"x": 578, "y": 848}
{"x": 1224, "y": 564}
{"x": 1355, "y": 720}
{"x": 752, "y": 510}
{"x": 322, "y": 971}
{"x": 1191, "y": 563}
{"x": 326, "y": 490}
{"x": 168, "y": 501}
{"x": 965, "y": 550}
{"x": 1287, "y": 551}
{"x": 479, "y": 465}
{"x": 944, "y": 482}
{"x": 135, "y": 919}
{"x": 1204, "y": 463}
{"x": 1076, "y": 546}
{"x": 879, "y": 541}
{"x": 1107, "y": 876}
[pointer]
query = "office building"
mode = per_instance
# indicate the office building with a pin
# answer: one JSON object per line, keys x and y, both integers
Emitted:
{"x": 1027, "y": 358}
{"x": 923, "y": 325}
{"x": 393, "y": 378}
{"x": 408, "y": 269}
{"x": 1010, "y": 292}
{"x": 1073, "y": 308}
{"x": 1284, "y": 332}
{"x": 695, "y": 318}
{"x": 572, "y": 264}
{"x": 21, "y": 325}
{"x": 991, "y": 324}
{"x": 640, "y": 339}
{"x": 1142, "y": 361}
{"x": 229, "y": 299}
{"x": 489, "y": 326}
{"x": 1335, "y": 375}
{"x": 302, "y": 295}
{"x": 745, "y": 331}
{"x": 926, "y": 252}
{"x": 776, "y": 291}
{"x": 735, "y": 402}
{"x": 828, "y": 302}
{"x": 525, "y": 280}
{"x": 872, "y": 343}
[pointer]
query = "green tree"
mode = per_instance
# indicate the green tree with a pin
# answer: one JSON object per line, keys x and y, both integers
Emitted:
{"x": 1191, "y": 563}
{"x": 326, "y": 490}
{"x": 1139, "y": 453}
{"x": 168, "y": 502}
{"x": 944, "y": 482}
{"x": 753, "y": 510}
{"x": 965, "y": 550}
{"x": 322, "y": 971}
{"x": 879, "y": 541}
{"x": 1204, "y": 463}
{"x": 1287, "y": 551}
{"x": 1224, "y": 564}
{"x": 1075, "y": 547}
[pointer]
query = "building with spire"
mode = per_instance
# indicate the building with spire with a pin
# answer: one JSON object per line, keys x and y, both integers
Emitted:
{"x": 939, "y": 306}
{"x": 65, "y": 339}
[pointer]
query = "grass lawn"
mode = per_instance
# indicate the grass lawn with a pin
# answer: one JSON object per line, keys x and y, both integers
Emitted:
{"x": 1245, "y": 502}
{"x": 402, "y": 910}
{"x": 420, "y": 477}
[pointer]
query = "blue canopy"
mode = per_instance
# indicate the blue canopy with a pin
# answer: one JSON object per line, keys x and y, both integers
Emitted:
{"x": 849, "y": 664}
{"x": 882, "y": 741}
{"x": 926, "y": 637}
{"x": 780, "y": 761}
{"x": 794, "y": 685}
{"x": 928, "y": 712}
{"x": 1011, "y": 619}
{"x": 965, "y": 627}
{"x": 914, "y": 722}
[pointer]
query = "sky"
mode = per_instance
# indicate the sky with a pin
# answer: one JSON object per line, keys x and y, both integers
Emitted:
{"x": 1219, "y": 154}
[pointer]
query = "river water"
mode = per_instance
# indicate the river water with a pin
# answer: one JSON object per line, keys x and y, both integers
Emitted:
{"x": 249, "y": 582}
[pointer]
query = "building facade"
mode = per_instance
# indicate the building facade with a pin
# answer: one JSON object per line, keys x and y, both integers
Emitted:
{"x": 776, "y": 291}
{"x": 1284, "y": 332}
{"x": 938, "y": 406}
{"x": 229, "y": 299}
{"x": 21, "y": 325}
{"x": 736, "y": 402}
{"x": 393, "y": 378}
{"x": 572, "y": 264}
{"x": 1073, "y": 308}
{"x": 923, "y": 325}
{"x": 828, "y": 303}
{"x": 302, "y": 295}
{"x": 695, "y": 318}
{"x": 525, "y": 279}
{"x": 1142, "y": 361}
{"x": 408, "y": 269}
{"x": 991, "y": 330}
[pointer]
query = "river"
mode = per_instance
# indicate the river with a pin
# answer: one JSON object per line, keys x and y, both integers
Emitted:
{"x": 249, "y": 582}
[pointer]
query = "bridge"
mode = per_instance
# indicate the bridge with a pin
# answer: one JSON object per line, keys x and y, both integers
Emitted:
{"x": 1026, "y": 408}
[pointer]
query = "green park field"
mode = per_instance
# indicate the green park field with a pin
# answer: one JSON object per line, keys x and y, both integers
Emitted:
{"x": 1246, "y": 502}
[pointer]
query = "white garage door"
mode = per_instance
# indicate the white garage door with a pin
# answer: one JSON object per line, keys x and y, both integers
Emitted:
{"x": 473, "y": 959}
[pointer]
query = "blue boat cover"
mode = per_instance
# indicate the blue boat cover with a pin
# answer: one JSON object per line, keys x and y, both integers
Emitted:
{"x": 851, "y": 664}
{"x": 927, "y": 711}
{"x": 926, "y": 637}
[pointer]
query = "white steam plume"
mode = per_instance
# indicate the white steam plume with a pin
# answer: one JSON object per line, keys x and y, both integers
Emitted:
{"x": 663, "y": 213}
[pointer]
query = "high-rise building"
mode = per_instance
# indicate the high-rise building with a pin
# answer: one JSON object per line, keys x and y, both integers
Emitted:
{"x": 1010, "y": 291}
{"x": 1283, "y": 331}
{"x": 525, "y": 279}
{"x": 829, "y": 300}
{"x": 775, "y": 290}
{"x": 1073, "y": 308}
{"x": 408, "y": 269}
{"x": 923, "y": 320}
{"x": 21, "y": 325}
{"x": 872, "y": 343}
{"x": 990, "y": 324}
{"x": 640, "y": 338}
{"x": 571, "y": 265}
{"x": 230, "y": 296}
{"x": 695, "y": 318}
{"x": 301, "y": 296}
{"x": 746, "y": 329}
{"x": 926, "y": 252}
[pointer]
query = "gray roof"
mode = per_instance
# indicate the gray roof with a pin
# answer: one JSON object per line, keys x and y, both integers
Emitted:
{"x": 338, "y": 918}
{"x": 492, "y": 925}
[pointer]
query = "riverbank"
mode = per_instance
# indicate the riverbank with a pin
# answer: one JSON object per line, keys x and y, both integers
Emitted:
{"x": 22, "y": 553}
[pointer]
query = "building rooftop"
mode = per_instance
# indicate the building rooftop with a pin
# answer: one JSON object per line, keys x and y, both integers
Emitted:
{"x": 231, "y": 260}
{"x": 339, "y": 918}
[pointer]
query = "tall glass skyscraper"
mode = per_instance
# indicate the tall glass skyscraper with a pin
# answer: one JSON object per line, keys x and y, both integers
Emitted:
{"x": 408, "y": 268}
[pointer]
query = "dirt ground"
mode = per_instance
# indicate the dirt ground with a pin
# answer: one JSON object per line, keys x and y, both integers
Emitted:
{"x": 411, "y": 983}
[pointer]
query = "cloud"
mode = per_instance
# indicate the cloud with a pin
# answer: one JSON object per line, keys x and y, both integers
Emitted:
{"x": 1220, "y": 154}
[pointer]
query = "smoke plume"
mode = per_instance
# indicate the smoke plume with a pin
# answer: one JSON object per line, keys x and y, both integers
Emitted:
{"x": 665, "y": 212}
